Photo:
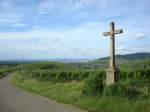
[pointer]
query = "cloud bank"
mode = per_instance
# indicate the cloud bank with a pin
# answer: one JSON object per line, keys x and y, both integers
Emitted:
{"x": 71, "y": 29}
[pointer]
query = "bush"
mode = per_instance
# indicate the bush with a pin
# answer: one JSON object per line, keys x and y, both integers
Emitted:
{"x": 60, "y": 75}
{"x": 137, "y": 74}
{"x": 126, "y": 74}
{"x": 94, "y": 85}
{"x": 132, "y": 93}
{"x": 142, "y": 86}
{"x": 4, "y": 71}
{"x": 116, "y": 89}
{"x": 131, "y": 89}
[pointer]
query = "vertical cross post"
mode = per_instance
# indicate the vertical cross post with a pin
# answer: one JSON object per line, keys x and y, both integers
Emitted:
{"x": 112, "y": 73}
{"x": 112, "y": 46}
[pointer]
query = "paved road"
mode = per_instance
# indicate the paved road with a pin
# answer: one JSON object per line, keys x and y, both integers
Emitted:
{"x": 13, "y": 99}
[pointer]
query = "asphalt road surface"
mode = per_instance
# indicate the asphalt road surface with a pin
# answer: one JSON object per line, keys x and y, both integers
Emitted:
{"x": 13, "y": 99}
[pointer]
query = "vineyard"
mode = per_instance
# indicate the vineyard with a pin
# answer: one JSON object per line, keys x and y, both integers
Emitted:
{"x": 54, "y": 71}
{"x": 61, "y": 75}
{"x": 70, "y": 75}
{"x": 85, "y": 87}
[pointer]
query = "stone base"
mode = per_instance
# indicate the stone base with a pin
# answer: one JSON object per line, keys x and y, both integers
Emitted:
{"x": 112, "y": 75}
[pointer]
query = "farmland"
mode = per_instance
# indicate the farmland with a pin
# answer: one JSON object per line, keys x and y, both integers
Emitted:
{"x": 84, "y": 86}
{"x": 4, "y": 70}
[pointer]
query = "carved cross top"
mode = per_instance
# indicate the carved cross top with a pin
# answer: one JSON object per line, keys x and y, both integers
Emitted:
{"x": 112, "y": 30}
{"x": 112, "y": 43}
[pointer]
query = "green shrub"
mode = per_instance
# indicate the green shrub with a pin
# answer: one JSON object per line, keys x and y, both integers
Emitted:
{"x": 116, "y": 89}
{"x": 137, "y": 74}
{"x": 138, "y": 88}
{"x": 131, "y": 89}
{"x": 94, "y": 85}
{"x": 59, "y": 75}
{"x": 6, "y": 70}
{"x": 132, "y": 93}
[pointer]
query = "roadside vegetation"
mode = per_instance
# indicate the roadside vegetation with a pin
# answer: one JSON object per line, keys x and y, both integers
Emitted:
{"x": 4, "y": 70}
{"x": 85, "y": 87}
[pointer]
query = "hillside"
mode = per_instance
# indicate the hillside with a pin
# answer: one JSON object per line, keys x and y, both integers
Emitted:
{"x": 130, "y": 60}
{"x": 102, "y": 62}
{"x": 126, "y": 57}
{"x": 132, "y": 56}
{"x": 83, "y": 84}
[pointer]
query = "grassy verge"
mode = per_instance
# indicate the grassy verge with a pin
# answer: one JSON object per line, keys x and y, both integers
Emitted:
{"x": 5, "y": 71}
{"x": 70, "y": 93}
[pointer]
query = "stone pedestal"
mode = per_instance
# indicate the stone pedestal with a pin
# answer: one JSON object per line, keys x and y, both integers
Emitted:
{"x": 112, "y": 75}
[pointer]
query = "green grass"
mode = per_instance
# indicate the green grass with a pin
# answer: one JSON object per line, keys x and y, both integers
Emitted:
{"x": 4, "y": 70}
{"x": 70, "y": 93}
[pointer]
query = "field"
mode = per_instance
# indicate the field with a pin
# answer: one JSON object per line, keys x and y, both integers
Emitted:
{"x": 84, "y": 87}
{"x": 4, "y": 70}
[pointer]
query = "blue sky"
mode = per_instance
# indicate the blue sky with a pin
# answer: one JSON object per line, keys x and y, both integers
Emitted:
{"x": 44, "y": 29}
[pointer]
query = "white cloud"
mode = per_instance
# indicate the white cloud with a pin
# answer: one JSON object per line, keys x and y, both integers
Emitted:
{"x": 79, "y": 7}
{"x": 60, "y": 41}
{"x": 77, "y": 42}
{"x": 69, "y": 6}
{"x": 19, "y": 25}
{"x": 136, "y": 35}
{"x": 133, "y": 49}
{"x": 140, "y": 36}
{"x": 7, "y": 5}
{"x": 79, "y": 33}
{"x": 9, "y": 13}
{"x": 10, "y": 18}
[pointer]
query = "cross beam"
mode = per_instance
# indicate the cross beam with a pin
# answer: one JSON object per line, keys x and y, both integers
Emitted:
{"x": 115, "y": 32}
{"x": 112, "y": 33}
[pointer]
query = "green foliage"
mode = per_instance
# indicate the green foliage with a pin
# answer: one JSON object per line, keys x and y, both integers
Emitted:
{"x": 126, "y": 74}
{"x": 142, "y": 86}
{"x": 5, "y": 69}
{"x": 94, "y": 79}
{"x": 136, "y": 74}
{"x": 114, "y": 90}
{"x": 71, "y": 94}
{"x": 59, "y": 75}
{"x": 94, "y": 84}
{"x": 129, "y": 62}
{"x": 85, "y": 87}
{"x": 131, "y": 89}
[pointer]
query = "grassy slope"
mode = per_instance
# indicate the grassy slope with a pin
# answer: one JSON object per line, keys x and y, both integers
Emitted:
{"x": 70, "y": 93}
{"x": 5, "y": 70}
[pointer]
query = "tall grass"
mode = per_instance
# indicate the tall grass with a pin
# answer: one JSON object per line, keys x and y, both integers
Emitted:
{"x": 70, "y": 93}
{"x": 6, "y": 70}
{"x": 61, "y": 75}
{"x": 67, "y": 84}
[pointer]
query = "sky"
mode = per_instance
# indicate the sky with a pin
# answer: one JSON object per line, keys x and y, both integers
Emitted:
{"x": 49, "y": 29}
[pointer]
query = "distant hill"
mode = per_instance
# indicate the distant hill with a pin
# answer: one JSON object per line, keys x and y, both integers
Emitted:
{"x": 29, "y": 61}
{"x": 127, "y": 59}
{"x": 13, "y": 62}
{"x": 122, "y": 58}
{"x": 132, "y": 56}
{"x": 104, "y": 61}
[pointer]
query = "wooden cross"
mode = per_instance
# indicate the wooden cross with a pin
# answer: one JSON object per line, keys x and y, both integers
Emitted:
{"x": 112, "y": 43}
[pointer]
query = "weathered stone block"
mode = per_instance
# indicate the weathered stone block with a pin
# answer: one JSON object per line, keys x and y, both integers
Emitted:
{"x": 112, "y": 75}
